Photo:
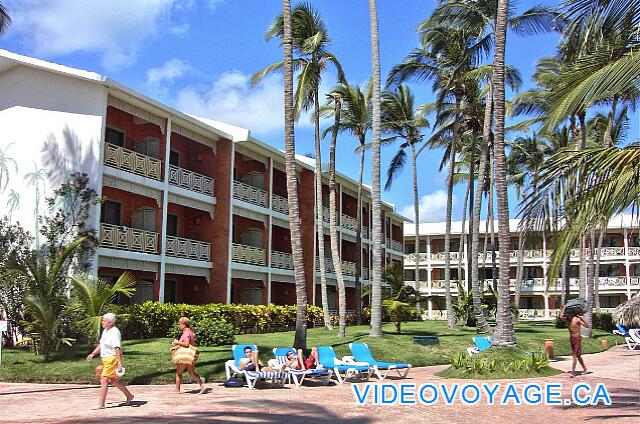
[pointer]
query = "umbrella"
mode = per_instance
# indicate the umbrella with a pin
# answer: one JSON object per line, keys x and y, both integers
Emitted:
{"x": 628, "y": 314}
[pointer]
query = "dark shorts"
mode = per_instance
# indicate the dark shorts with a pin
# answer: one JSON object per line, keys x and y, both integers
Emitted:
{"x": 576, "y": 345}
{"x": 250, "y": 366}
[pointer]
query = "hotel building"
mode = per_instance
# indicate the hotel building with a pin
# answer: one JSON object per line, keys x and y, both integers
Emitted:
{"x": 196, "y": 209}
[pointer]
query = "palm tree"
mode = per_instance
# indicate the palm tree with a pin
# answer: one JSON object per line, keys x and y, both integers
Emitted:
{"x": 300, "y": 340}
{"x": 310, "y": 41}
{"x": 94, "y": 297}
{"x": 45, "y": 297}
{"x": 505, "y": 336}
{"x": 5, "y": 19}
{"x": 376, "y": 299}
{"x": 36, "y": 179}
{"x": 5, "y": 163}
{"x": 333, "y": 218}
{"x": 398, "y": 296}
{"x": 13, "y": 202}
{"x": 355, "y": 119}
{"x": 401, "y": 120}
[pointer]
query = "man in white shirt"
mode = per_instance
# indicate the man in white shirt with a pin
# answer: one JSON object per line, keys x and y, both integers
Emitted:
{"x": 110, "y": 352}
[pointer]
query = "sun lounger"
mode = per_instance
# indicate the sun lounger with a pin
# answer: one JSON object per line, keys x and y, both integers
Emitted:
{"x": 232, "y": 368}
{"x": 362, "y": 353}
{"x": 298, "y": 376}
{"x": 341, "y": 369}
{"x": 633, "y": 339}
{"x": 481, "y": 343}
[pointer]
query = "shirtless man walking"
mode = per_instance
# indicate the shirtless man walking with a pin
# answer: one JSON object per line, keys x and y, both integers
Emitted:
{"x": 574, "y": 322}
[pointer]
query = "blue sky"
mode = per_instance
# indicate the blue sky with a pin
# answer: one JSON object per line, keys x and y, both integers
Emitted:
{"x": 198, "y": 56}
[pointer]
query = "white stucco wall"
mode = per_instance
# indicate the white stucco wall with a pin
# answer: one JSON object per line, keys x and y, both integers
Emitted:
{"x": 49, "y": 122}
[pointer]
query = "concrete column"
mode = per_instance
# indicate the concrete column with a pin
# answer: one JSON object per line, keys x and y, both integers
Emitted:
{"x": 165, "y": 207}
{"x": 626, "y": 262}
{"x": 229, "y": 242}
{"x": 429, "y": 282}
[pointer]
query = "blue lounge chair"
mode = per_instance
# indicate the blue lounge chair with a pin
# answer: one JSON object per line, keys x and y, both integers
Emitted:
{"x": 298, "y": 376}
{"x": 481, "y": 343}
{"x": 232, "y": 368}
{"x": 362, "y": 353}
{"x": 621, "y": 331}
{"x": 327, "y": 359}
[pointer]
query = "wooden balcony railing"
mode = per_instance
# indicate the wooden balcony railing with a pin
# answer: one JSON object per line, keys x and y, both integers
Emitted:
{"x": 281, "y": 260}
{"x": 349, "y": 222}
{"x": 131, "y": 239}
{"x": 244, "y": 254}
{"x": 349, "y": 268}
{"x": 179, "y": 247}
{"x": 134, "y": 162}
{"x": 280, "y": 204}
{"x": 190, "y": 180}
{"x": 250, "y": 194}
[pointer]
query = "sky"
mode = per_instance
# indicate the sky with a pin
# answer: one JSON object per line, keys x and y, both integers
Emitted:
{"x": 199, "y": 55}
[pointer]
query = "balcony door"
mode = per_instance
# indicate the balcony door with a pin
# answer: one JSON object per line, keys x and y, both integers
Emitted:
{"x": 144, "y": 291}
{"x": 111, "y": 213}
{"x": 144, "y": 219}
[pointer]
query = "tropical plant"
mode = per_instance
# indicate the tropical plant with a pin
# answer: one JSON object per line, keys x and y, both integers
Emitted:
{"x": 376, "y": 299}
{"x": 45, "y": 296}
{"x": 5, "y": 19}
{"x": 6, "y": 162}
{"x": 93, "y": 297}
{"x": 311, "y": 42}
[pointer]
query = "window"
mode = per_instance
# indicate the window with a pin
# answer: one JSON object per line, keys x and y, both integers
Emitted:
{"x": 529, "y": 272}
{"x": 609, "y": 301}
{"x": 144, "y": 291}
{"x": 110, "y": 213}
{"x": 149, "y": 146}
{"x": 611, "y": 241}
{"x": 114, "y": 136}
{"x": 174, "y": 158}
{"x": 172, "y": 225}
{"x": 527, "y": 302}
{"x": 611, "y": 270}
{"x": 144, "y": 219}
{"x": 170, "y": 291}
{"x": 409, "y": 248}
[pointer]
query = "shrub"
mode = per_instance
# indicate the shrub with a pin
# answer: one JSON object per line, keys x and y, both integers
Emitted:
{"x": 603, "y": 321}
{"x": 153, "y": 319}
{"x": 209, "y": 332}
{"x": 487, "y": 363}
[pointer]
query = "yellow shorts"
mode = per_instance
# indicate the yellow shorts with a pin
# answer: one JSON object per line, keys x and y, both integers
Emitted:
{"x": 110, "y": 364}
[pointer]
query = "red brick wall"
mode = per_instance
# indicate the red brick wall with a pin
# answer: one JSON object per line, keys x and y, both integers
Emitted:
{"x": 194, "y": 156}
{"x": 349, "y": 251}
{"x": 349, "y": 205}
{"x": 280, "y": 183}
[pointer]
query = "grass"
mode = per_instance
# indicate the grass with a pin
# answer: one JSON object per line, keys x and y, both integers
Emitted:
{"x": 149, "y": 361}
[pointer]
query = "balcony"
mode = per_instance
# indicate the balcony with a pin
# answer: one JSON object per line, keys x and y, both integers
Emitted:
{"x": 440, "y": 256}
{"x": 634, "y": 251}
{"x": 348, "y": 222}
{"x": 190, "y": 180}
{"x": 348, "y": 268}
{"x": 179, "y": 247}
{"x": 394, "y": 245}
{"x": 131, "y": 239}
{"x": 280, "y": 204}
{"x": 365, "y": 232}
{"x": 244, "y": 254}
{"x": 328, "y": 265}
{"x": 325, "y": 214}
{"x": 250, "y": 194}
{"x": 134, "y": 162}
{"x": 281, "y": 260}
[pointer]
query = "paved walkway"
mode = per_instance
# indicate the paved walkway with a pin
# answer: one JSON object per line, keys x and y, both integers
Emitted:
{"x": 618, "y": 369}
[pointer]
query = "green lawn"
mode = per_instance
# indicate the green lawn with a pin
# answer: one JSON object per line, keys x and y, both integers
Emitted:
{"x": 149, "y": 361}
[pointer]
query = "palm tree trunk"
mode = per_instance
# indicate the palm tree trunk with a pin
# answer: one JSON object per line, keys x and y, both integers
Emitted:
{"x": 300, "y": 340}
{"x": 481, "y": 321}
{"x": 596, "y": 273}
{"x": 588, "y": 316}
{"x": 505, "y": 336}
{"x": 492, "y": 234}
{"x": 462, "y": 234}
{"x": 451, "y": 319}
{"x": 358, "y": 283}
{"x": 376, "y": 294}
{"x": 608, "y": 139}
{"x": 472, "y": 176}
{"x": 319, "y": 220}
{"x": 333, "y": 220}
{"x": 416, "y": 210}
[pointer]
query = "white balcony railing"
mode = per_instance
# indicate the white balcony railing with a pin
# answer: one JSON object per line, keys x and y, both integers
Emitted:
{"x": 349, "y": 268}
{"x": 440, "y": 256}
{"x": 244, "y": 254}
{"x": 634, "y": 281}
{"x": 350, "y": 223}
{"x": 611, "y": 251}
{"x": 134, "y": 162}
{"x": 634, "y": 251}
{"x": 281, "y": 260}
{"x": 612, "y": 281}
{"x": 125, "y": 238}
{"x": 250, "y": 194}
{"x": 190, "y": 180}
{"x": 328, "y": 265}
{"x": 189, "y": 249}
{"x": 280, "y": 204}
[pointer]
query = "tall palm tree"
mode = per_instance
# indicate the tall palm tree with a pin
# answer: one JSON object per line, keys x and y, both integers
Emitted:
{"x": 311, "y": 42}
{"x": 376, "y": 299}
{"x": 505, "y": 336}
{"x": 95, "y": 295}
{"x": 400, "y": 119}
{"x": 5, "y": 19}
{"x": 355, "y": 119}
{"x": 333, "y": 218}
{"x": 36, "y": 179}
{"x": 300, "y": 340}
{"x": 6, "y": 162}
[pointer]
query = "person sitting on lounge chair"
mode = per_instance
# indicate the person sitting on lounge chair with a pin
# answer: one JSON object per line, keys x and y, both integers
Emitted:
{"x": 296, "y": 361}
{"x": 251, "y": 361}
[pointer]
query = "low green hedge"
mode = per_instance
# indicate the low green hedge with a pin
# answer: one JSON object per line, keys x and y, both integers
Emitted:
{"x": 600, "y": 320}
{"x": 152, "y": 319}
{"x": 209, "y": 332}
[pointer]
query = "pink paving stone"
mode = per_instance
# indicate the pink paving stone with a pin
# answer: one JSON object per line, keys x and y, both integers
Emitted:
{"x": 618, "y": 369}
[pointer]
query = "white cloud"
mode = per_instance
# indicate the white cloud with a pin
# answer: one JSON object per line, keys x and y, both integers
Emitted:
{"x": 433, "y": 207}
{"x": 116, "y": 29}
{"x": 214, "y": 3}
{"x": 171, "y": 70}
{"x": 180, "y": 29}
{"x": 232, "y": 99}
